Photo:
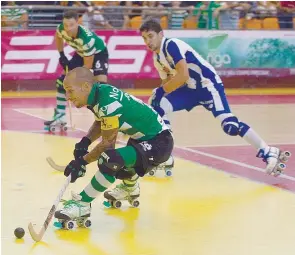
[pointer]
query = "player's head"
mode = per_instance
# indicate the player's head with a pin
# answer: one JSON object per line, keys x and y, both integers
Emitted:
{"x": 78, "y": 84}
{"x": 70, "y": 22}
{"x": 152, "y": 34}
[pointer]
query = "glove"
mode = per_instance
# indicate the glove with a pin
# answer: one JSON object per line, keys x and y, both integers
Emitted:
{"x": 156, "y": 97}
{"x": 76, "y": 168}
{"x": 81, "y": 148}
{"x": 63, "y": 60}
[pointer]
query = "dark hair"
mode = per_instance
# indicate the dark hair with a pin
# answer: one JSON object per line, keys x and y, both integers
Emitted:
{"x": 71, "y": 15}
{"x": 151, "y": 25}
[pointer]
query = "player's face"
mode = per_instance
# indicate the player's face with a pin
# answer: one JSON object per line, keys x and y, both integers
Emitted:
{"x": 76, "y": 95}
{"x": 70, "y": 26}
{"x": 152, "y": 40}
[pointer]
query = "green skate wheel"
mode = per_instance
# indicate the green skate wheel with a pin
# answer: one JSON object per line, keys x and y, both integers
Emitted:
{"x": 107, "y": 204}
{"x": 57, "y": 224}
{"x": 152, "y": 173}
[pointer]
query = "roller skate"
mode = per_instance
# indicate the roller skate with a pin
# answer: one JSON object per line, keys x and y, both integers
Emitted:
{"x": 275, "y": 160}
{"x": 166, "y": 166}
{"x": 58, "y": 121}
{"x": 73, "y": 211}
{"x": 120, "y": 193}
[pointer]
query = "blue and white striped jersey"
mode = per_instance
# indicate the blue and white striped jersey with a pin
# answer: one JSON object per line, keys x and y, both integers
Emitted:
{"x": 200, "y": 71}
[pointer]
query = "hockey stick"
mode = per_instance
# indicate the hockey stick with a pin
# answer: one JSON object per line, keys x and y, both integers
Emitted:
{"x": 54, "y": 165}
{"x": 38, "y": 236}
{"x": 70, "y": 106}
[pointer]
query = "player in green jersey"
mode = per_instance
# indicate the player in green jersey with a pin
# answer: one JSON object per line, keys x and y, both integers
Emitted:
{"x": 150, "y": 143}
{"x": 91, "y": 52}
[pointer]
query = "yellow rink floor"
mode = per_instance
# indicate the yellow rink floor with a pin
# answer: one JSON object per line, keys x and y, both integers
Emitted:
{"x": 199, "y": 211}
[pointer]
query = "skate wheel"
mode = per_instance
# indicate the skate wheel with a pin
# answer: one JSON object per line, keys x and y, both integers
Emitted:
{"x": 284, "y": 157}
{"x": 116, "y": 204}
{"x": 69, "y": 225}
{"x": 168, "y": 172}
{"x": 107, "y": 204}
{"x": 152, "y": 173}
{"x": 87, "y": 223}
{"x": 57, "y": 224}
{"x": 134, "y": 203}
{"x": 52, "y": 129}
{"x": 64, "y": 128}
{"x": 282, "y": 166}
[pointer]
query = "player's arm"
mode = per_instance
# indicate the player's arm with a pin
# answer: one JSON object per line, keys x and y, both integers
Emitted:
{"x": 182, "y": 74}
{"x": 109, "y": 132}
{"x": 94, "y": 131}
{"x": 59, "y": 41}
{"x": 88, "y": 61}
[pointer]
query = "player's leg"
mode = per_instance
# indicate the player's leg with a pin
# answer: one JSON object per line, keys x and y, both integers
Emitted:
{"x": 232, "y": 126}
{"x": 150, "y": 154}
{"x": 100, "y": 66}
{"x": 183, "y": 98}
{"x": 60, "y": 110}
{"x": 59, "y": 117}
{"x": 111, "y": 164}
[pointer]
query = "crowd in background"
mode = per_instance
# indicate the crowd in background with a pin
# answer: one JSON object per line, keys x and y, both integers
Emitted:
{"x": 171, "y": 14}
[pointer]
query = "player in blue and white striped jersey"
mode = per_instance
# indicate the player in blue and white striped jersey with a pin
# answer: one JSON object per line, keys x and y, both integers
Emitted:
{"x": 188, "y": 81}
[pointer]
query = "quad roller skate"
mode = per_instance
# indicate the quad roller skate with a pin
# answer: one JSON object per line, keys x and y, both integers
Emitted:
{"x": 275, "y": 160}
{"x": 120, "y": 193}
{"x": 73, "y": 211}
{"x": 58, "y": 121}
{"x": 166, "y": 166}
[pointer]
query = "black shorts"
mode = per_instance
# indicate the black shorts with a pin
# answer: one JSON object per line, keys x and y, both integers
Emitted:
{"x": 100, "y": 63}
{"x": 152, "y": 153}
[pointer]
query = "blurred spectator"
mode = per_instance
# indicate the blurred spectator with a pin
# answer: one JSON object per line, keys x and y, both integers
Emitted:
{"x": 286, "y": 12}
{"x": 154, "y": 14}
{"x": 204, "y": 15}
{"x": 115, "y": 17}
{"x": 93, "y": 19}
{"x": 229, "y": 14}
{"x": 191, "y": 4}
{"x": 266, "y": 9}
{"x": 13, "y": 18}
{"x": 133, "y": 13}
{"x": 177, "y": 16}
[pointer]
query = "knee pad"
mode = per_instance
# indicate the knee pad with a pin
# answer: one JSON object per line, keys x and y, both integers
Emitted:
{"x": 110, "y": 162}
{"x": 59, "y": 84}
{"x": 231, "y": 126}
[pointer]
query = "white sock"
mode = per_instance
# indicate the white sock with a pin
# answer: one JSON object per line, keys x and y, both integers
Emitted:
{"x": 255, "y": 140}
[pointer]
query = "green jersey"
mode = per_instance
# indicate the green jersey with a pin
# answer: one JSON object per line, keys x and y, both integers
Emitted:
{"x": 118, "y": 109}
{"x": 86, "y": 43}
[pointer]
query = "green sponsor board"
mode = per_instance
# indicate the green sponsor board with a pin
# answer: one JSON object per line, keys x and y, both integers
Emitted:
{"x": 223, "y": 50}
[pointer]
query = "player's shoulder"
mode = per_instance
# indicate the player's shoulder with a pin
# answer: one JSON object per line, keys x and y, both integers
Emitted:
{"x": 175, "y": 41}
{"x": 60, "y": 27}
{"x": 109, "y": 100}
{"x": 85, "y": 33}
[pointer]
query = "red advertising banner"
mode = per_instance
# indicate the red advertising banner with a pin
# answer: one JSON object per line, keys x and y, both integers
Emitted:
{"x": 33, "y": 55}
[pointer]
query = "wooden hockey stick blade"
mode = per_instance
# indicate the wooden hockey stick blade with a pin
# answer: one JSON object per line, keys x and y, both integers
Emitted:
{"x": 54, "y": 165}
{"x": 38, "y": 236}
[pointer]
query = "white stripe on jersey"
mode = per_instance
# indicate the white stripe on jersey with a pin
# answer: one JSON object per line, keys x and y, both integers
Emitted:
{"x": 201, "y": 72}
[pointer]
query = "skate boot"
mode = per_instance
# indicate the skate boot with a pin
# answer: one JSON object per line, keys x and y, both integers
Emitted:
{"x": 120, "y": 193}
{"x": 58, "y": 121}
{"x": 166, "y": 166}
{"x": 275, "y": 160}
{"x": 73, "y": 210}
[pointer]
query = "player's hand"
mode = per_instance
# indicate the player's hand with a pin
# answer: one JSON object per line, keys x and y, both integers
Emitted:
{"x": 63, "y": 60}
{"x": 76, "y": 168}
{"x": 156, "y": 97}
{"x": 81, "y": 148}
